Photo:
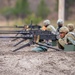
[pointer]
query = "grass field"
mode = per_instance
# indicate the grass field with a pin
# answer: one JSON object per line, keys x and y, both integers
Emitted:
{"x": 19, "y": 22}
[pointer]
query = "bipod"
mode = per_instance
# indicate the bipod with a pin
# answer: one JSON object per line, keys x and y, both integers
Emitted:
{"x": 28, "y": 44}
{"x": 16, "y": 26}
{"x": 19, "y": 42}
{"x": 15, "y": 38}
{"x": 17, "y": 35}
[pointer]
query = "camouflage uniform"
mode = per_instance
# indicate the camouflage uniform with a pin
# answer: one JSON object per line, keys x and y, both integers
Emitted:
{"x": 61, "y": 41}
{"x": 65, "y": 40}
{"x": 60, "y": 24}
{"x": 71, "y": 27}
{"x": 71, "y": 35}
{"x": 52, "y": 29}
{"x": 48, "y": 27}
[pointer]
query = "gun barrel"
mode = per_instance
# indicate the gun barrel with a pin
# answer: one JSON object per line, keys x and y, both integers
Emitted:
{"x": 26, "y": 37}
{"x": 48, "y": 46}
{"x": 11, "y": 26}
{"x": 13, "y": 32}
{"x": 30, "y": 26}
{"x": 9, "y": 30}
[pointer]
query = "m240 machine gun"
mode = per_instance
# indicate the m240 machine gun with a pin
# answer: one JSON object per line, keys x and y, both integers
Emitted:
{"x": 30, "y": 34}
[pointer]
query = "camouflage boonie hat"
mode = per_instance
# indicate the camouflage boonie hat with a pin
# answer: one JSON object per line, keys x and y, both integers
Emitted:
{"x": 64, "y": 29}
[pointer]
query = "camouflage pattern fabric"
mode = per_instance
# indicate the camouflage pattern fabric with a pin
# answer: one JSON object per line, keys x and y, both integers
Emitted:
{"x": 70, "y": 27}
{"x": 62, "y": 42}
{"x": 52, "y": 29}
{"x": 71, "y": 35}
{"x": 40, "y": 49}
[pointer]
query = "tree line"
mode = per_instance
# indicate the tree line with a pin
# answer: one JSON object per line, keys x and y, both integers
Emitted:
{"x": 22, "y": 10}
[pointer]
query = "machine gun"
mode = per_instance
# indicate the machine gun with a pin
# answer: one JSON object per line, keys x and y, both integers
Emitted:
{"x": 23, "y": 31}
{"x": 48, "y": 46}
{"x": 16, "y": 26}
{"x": 30, "y": 34}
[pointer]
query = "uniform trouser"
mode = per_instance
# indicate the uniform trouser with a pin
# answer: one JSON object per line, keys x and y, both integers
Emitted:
{"x": 61, "y": 43}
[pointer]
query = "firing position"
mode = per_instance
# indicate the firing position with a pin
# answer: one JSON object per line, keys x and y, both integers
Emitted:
{"x": 64, "y": 37}
{"x": 46, "y": 26}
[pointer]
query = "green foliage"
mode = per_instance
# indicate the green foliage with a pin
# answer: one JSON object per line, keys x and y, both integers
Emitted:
{"x": 32, "y": 17}
{"x": 22, "y": 7}
{"x": 6, "y": 11}
{"x": 56, "y": 6}
{"x": 68, "y": 4}
{"x": 43, "y": 10}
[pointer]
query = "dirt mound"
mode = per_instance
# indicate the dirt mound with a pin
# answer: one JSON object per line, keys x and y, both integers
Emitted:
{"x": 26, "y": 62}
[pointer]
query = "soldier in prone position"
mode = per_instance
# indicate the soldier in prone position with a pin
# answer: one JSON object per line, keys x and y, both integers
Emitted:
{"x": 64, "y": 34}
{"x": 47, "y": 26}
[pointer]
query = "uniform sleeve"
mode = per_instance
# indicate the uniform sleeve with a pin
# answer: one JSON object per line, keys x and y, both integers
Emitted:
{"x": 52, "y": 29}
{"x": 69, "y": 35}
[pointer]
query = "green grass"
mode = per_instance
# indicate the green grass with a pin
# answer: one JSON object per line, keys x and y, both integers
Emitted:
{"x": 20, "y": 22}
{"x": 54, "y": 23}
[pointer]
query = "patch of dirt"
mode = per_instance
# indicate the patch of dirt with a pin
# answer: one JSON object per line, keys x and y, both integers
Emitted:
{"x": 26, "y": 62}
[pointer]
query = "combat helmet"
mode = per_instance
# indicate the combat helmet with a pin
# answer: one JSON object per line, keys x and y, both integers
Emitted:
{"x": 64, "y": 29}
{"x": 60, "y": 21}
{"x": 70, "y": 26}
{"x": 46, "y": 22}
